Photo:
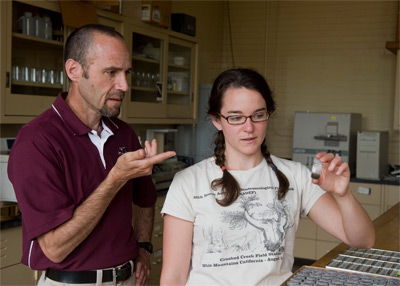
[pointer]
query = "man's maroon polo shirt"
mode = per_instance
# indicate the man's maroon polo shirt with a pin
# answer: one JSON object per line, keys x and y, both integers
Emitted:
{"x": 54, "y": 167}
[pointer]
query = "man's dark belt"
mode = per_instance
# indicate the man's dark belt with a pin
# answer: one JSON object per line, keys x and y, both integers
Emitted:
{"x": 121, "y": 273}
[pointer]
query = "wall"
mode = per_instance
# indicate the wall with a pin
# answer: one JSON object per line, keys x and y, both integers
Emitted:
{"x": 325, "y": 56}
{"x": 209, "y": 29}
{"x": 245, "y": 31}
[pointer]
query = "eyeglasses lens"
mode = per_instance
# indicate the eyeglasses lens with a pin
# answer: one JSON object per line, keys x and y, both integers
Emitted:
{"x": 241, "y": 119}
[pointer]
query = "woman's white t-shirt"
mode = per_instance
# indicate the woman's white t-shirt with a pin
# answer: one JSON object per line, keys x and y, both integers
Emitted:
{"x": 250, "y": 242}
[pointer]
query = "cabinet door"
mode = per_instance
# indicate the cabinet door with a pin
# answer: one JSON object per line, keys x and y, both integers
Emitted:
{"x": 181, "y": 80}
{"x": 34, "y": 63}
{"x": 147, "y": 81}
{"x": 4, "y": 73}
{"x": 369, "y": 196}
{"x": 392, "y": 196}
{"x": 396, "y": 123}
{"x": 10, "y": 246}
{"x": 156, "y": 264}
{"x": 18, "y": 274}
{"x": 305, "y": 248}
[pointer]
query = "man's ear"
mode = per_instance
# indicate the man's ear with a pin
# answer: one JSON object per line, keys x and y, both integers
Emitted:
{"x": 217, "y": 122}
{"x": 73, "y": 69}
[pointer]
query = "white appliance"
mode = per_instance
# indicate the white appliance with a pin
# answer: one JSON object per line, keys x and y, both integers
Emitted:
{"x": 166, "y": 138}
{"x": 372, "y": 154}
{"x": 6, "y": 188}
{"x": 325, "y": 132}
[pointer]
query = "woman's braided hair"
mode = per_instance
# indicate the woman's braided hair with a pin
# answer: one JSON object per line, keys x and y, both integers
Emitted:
{"x": 237, "y": 78}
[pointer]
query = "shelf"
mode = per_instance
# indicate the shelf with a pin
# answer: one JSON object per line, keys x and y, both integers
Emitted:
{"x": 38, "y": 40}
{"x": 36, "y": 84}
{"x": 177, "y": 92}
{"x": 179, "y": 67}
{"x": 143, "y": 88}
{"x": 147, "y": 60}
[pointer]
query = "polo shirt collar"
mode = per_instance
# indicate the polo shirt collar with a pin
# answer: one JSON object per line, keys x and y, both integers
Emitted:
{"x": 72, "y": 121}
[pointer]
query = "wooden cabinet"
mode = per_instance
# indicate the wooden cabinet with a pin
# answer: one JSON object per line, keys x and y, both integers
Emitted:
{"x": 305, "y": 239}
{"x": 181, "y": 74}
{"x": 33, "y": 66}
{"x": 157, "y": 241}
{"x": 148, "y": 88}
{"x": 305, "y": 248}
{"x": 396, "y": 123}
{"x": 12, "y": 271}
{"x": 312, "y": 242}
{"x": 163, "y": 83}
{"x": 164, "y": 80}
{"x": 391, "y": 196}
{"x": 369, "y": 196}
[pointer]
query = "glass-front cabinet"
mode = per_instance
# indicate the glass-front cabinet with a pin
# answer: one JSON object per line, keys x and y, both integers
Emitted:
{"x": 163, "y": 78}
{"x": 180, "y": 79}
{"x": 147, "y": 77}
{"x": 162, "y": 83}
{"x": 34, "y": 58}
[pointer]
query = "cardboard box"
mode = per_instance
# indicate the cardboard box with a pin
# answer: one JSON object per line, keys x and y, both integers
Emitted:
{"x": 78, "y": 13}
{"x": 157, "y": 12}
{"x": 114, "y": 6}
{"x": 183, "y": 23}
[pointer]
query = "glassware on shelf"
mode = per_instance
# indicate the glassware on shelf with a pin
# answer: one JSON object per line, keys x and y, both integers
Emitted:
{"x": 44, "y": 75}
{"x": 60, "y": 77}
{"x": 137, "y": 78}
{"x": 50, "y": 77}
{"x": 38, "y": 24}
{"x": 25, "y": 74}
{"x": 16, "y": 72}
{"x": 48, "y": 28}
{"x": 169, "y": 84}
{"x": 25, "y": 24}
{"x": 148, "y": 80}
{"x": 32, "y": 75}
{"x": 38, "y": 76}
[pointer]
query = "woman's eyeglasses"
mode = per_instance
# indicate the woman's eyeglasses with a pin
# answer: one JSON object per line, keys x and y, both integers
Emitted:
{"x": 257, "y": 116}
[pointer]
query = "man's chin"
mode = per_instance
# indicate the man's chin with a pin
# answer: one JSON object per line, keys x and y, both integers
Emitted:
{"x": 111, "y": 113}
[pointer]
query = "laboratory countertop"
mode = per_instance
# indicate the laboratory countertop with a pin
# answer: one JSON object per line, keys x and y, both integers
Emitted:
{"x": 392, "y": 180}
{"x": 11, "y": 223}
{"x": 387, "y": 236}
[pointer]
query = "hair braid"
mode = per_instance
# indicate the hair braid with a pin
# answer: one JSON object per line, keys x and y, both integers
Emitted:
{"x": 230, "y": 188}
{"x": 283, "y": 181}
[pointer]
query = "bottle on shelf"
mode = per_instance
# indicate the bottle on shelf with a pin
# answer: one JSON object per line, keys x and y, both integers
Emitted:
{"x": 48, "y": 28}
{"x": 21, "y": 24}
{"x": 38, "y": 25}
{"x": 25, "y": 24}
{"x": 169, "y": 84}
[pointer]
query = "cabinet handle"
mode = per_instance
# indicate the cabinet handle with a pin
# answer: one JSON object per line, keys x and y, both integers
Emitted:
{"x": 156, "y": 262}
{"x": 158, "y": 234}
{"x": 160, "y": 94}
{"x": 7, "y": 79}
{"x": 364, "y": 191}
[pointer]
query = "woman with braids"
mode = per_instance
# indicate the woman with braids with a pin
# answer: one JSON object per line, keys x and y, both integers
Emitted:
{"x": 231, "y": 219}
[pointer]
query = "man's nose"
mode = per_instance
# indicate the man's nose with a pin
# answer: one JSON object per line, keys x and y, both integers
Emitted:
{"x": 122, "y": 83}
